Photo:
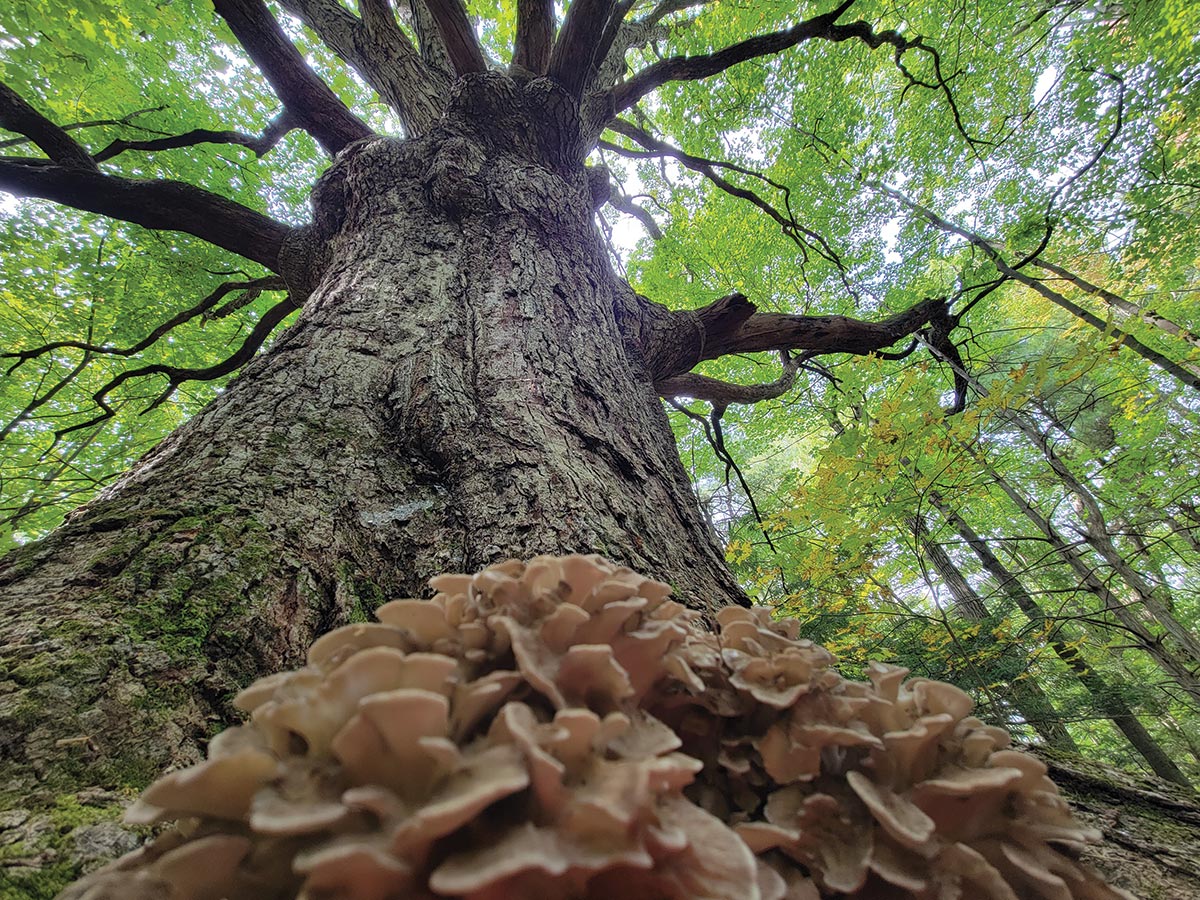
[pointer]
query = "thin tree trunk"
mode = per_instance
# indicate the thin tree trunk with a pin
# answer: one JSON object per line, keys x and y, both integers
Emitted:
{"x": 1108, "y": 700}
{"x": 1133, "y": 624}
{"x": 1123, "y": 308}
{"x": 1096, "y": 534}
{"x": 1027, "y": 696}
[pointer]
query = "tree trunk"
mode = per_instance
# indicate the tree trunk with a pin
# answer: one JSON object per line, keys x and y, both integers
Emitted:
{"x": 1025, "y": 694}
{"x": 1108, "y": 700}
{"x": 456, "y": 391}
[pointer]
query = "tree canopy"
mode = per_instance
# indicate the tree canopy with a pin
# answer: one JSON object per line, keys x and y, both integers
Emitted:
{"x": 996, "y": 485}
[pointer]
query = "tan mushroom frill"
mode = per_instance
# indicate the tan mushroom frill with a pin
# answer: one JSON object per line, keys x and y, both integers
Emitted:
{"x": 561, "y": 729}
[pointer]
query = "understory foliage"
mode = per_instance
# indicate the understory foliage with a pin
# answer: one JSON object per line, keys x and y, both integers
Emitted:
{"x": 1039, "y": 175}
{"x": 1059, "y": 213}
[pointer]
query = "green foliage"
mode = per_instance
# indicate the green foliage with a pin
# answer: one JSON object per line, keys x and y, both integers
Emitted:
{"x": 843, "y": 467}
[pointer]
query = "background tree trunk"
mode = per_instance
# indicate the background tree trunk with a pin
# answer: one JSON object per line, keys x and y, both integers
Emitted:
{"x": 1105, "y": 697}
{"x": 1025, "y": 694}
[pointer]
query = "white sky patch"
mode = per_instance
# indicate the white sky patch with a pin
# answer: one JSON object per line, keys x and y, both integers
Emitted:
{"x": 626, "y": 230}
{"x": 1044, "y": 83}
{"x": 890, "y": 235}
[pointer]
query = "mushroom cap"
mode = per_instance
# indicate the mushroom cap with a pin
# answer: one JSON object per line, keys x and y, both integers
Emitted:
{"x": 560, "y": 728}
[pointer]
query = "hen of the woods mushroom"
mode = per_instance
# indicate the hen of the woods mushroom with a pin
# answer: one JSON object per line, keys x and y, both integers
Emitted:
{"x": 560, "y": 728}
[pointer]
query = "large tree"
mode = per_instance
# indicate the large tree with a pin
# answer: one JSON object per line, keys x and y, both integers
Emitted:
{"x": 440, "y": 368}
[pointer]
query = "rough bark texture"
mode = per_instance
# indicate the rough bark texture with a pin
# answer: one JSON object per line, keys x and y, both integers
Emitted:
{"x": 455, "y": 392}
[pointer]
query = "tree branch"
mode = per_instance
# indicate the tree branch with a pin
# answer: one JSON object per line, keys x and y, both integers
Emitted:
{"x": 254, "y": 288}
{"x": 17, "y": 115}
{"x": 383, "y": 56}
{"x": 1120, "y": 305}
{"x": 535, "y": 35}
{"x": 605, "y": 45}
{"x": 673, "y": 342}
{"x": 804, "y": 238}
{"x": 261, "y": 144}
{"x": 715, "y": 436}
{"x": 721, "y": 394}
{"x": 308, "y": 100}
{"x": 1178, "y": 370}
{"x": 691, "y": 68}
{"x": 177, "y": 375}
{"x": 429, "y": 40}
{"x": 625, "y": 204}
{"x": 461, "y": 43}
{"x": 93, "y": 123}
{"x": 160, "y": 205}
{"x": 576, "y": 49}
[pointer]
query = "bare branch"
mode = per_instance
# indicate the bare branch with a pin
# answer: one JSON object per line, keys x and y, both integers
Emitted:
{"x": 459, "y": 36}
{"x": 672, "y": 342}
{"x": 164, "y": 205}
{"x": 722, "y": 394}
{"x": 203, "y": 308}
{"x": 575, "y": 50}
{"x": 535, "y": 35}
{"x": 804, "y": 238}
{"x": 176, "y": 375}
{"x": 261, "y": 144}
{"x": 715, "y": 436}
{"x": 19, "y": 116}
{"x": 41, "y": 400}
{"x": 92, "y": 123}
{"x": 1067, "y": 183}
{"x": 383, "y": 56}
{"x": 615, "y": 21}
{"x": 691, "y": 68}
{"x": 822, "y": 334}
{"x": 625, "y": 204}
{"x": 308, "y": 100}
{"x": 621, "y": 36}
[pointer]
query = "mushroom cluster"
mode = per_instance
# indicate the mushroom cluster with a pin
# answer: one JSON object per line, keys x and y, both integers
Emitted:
{"x": 562, "y": 729}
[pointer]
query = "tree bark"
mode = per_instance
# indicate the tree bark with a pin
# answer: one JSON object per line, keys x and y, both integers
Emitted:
{"x": 456, "y": 391}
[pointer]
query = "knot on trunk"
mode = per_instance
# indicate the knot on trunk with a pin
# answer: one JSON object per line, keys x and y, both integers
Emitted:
{"x": 536, "y": 119}
{"x": 452, "y": 181}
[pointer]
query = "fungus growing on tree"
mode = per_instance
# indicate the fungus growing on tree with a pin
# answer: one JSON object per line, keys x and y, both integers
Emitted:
{"x": 562, "y": 729}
